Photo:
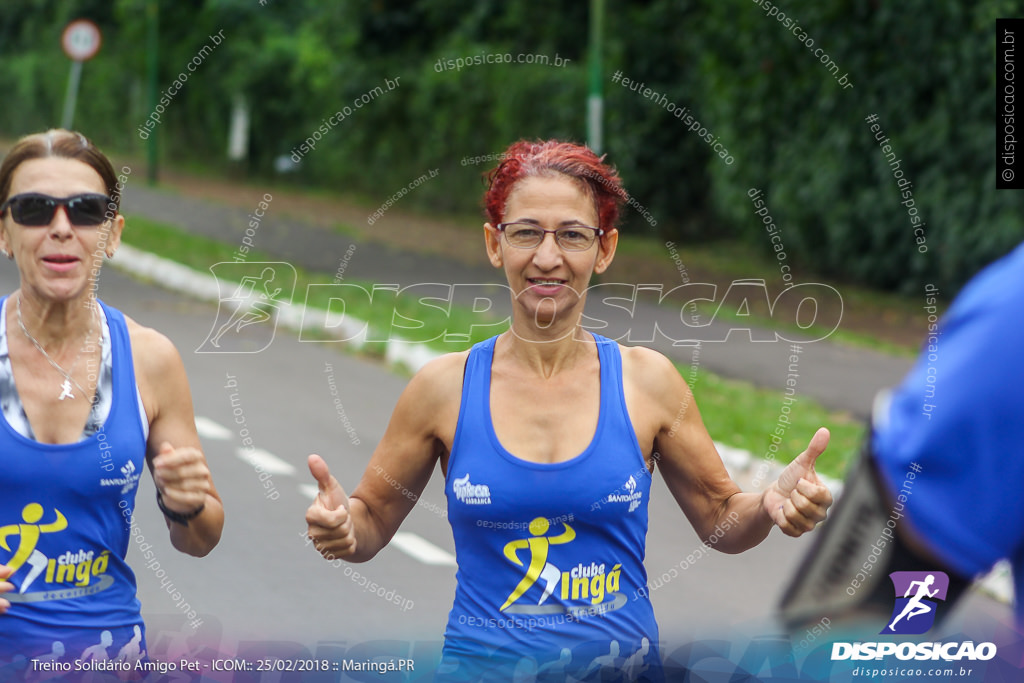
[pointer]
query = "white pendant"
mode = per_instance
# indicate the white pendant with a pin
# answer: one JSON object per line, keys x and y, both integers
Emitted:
{"x": 66, "y": 390}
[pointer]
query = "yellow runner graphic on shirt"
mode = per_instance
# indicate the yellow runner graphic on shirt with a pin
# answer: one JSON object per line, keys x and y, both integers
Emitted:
{"x": 73, "y": 573}
{"x": 539, "y": 565}
{"x": 29, "y": 532}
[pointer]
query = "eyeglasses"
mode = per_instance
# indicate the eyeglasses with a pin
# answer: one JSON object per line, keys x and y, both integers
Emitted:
{"x": 35, "y": 210}
{"x": 568, "y": 237}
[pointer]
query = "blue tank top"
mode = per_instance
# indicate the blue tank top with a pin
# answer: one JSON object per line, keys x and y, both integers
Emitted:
{"x": 550, "y": 556}
{"x": 65, "y": 524}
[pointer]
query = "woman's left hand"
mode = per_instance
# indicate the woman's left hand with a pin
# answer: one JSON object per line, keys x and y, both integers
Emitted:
{"x": 798, "y": 499}
{"x": 5, "y": 586}
{"x": 182, "y": 477}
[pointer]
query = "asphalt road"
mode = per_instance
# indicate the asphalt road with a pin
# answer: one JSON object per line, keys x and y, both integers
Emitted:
{"x": 263, "y": 592}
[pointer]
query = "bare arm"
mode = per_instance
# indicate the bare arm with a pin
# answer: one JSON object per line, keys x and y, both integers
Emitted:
{"x": 356, "y": 528}
{"x": 173, "y": 451}
{"x": 693, "y": 469}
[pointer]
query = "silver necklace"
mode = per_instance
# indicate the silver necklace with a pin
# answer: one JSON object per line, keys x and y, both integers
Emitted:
{"x": 65, "y": 387}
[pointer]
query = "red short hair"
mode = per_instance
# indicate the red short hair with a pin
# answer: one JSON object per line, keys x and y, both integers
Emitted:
{"x": 526, "y": 159}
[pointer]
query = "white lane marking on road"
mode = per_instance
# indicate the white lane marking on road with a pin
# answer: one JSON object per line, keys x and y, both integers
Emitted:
{"x": 309, "y": 490}
{"x": 422, "y": 549}
{"x": 209, "y": 429}
{"x": 257, "y": 457}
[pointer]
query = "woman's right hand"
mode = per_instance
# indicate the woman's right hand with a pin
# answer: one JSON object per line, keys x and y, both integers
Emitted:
{"x": 5, "y": 586}
{"x": 330, "y": 526}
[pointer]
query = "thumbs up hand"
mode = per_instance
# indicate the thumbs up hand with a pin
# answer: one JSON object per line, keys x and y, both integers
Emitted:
{"x": 330, "y": 525}
{"x": 5, "y": 586}
{"x": 798, "y": 499}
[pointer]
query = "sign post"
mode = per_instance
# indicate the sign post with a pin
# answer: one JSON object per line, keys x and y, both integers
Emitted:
{"x": 81, "y": 41}
{"x": 595, "y": 100}
{"x": 152, "y": 71}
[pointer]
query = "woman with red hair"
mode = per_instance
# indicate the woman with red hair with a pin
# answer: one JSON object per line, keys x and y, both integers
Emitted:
{"x": 548, "y": 436}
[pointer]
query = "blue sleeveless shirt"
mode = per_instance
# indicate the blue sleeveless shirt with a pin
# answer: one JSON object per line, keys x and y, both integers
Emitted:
{"x": 550, "y": 556}
{"x": 65, "y": 524}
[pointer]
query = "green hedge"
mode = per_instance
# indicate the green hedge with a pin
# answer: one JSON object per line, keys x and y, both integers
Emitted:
{"x": 926, "y": 68}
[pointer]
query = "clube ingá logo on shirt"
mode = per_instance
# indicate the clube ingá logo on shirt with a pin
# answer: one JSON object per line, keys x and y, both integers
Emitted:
{"x": 594, "y": 585}
{"x": 71, "y": 574}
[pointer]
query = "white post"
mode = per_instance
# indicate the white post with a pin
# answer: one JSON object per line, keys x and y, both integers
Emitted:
{"x": 238, "y": 137}
{"x": 71, "y": 97}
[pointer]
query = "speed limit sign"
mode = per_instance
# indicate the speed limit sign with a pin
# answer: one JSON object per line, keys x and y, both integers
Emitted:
{"x": 81, "y": 40}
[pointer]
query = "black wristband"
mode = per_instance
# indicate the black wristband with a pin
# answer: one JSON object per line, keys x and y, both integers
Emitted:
{"x": 177, "y": 517}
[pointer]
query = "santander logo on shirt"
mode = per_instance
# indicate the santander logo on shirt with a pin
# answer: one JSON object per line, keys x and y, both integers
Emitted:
{"x": 128, "y": 481}
{"x": 630, "y": 495}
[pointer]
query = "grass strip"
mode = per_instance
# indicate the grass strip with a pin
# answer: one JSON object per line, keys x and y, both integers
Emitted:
{"x": 743, "y": 415}
{"x": 200, "y": 253}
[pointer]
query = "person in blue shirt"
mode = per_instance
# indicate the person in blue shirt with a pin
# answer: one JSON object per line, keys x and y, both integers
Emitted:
{"x": 88, "y": 398}
{"x": 548, "y": 436}
{"x": 955, "y": 424}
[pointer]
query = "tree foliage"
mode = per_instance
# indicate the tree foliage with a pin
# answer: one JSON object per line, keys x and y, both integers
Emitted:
{"x": 924, "y": 67}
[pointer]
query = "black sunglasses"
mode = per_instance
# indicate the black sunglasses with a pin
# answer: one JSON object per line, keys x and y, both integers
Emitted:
{"x": 34, "y": 209}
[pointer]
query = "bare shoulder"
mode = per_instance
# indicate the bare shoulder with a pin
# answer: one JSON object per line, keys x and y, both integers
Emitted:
{"x": 656, "y": 394}
{"x": 159, "y": 372}
{"x": 439, "y": 381}
{"x": 428, "y": 409}
{"x": 651, "y": 371}
{"x": 152, "y": 351}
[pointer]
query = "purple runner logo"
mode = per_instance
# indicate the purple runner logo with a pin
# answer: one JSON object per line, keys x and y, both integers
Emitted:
{"x": 917, "y": 596}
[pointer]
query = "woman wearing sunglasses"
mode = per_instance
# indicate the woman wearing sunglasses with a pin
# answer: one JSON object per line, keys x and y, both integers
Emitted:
{"x": 548, "y": 436}
{"x": 87, "y": 395}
